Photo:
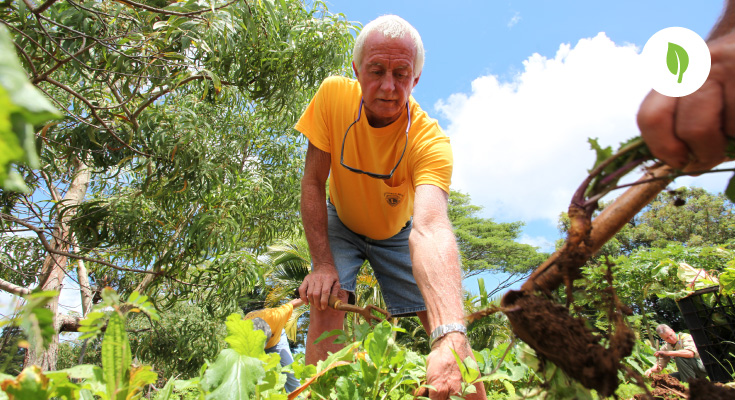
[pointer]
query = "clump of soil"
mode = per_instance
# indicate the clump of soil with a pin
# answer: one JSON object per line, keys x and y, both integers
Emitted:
{"x": 665, "y": 387}
{"x": 702, "y": 389}
{"x": 567, "y": 342}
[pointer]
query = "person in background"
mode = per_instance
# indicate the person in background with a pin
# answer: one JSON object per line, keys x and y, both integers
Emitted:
{"x": 693, "y": 132}
{"x": 271, "y": 321}
{"x": 389, "y": 167}
{"x": 682, "y": 349}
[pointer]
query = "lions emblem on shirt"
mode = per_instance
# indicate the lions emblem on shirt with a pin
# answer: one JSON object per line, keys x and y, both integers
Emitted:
{"x": 393, "y": 199}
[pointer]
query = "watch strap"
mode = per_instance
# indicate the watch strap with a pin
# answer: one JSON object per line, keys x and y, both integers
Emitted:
{"x": 442, "y": 330}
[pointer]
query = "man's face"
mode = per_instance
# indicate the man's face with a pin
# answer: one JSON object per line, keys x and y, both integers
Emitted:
{"x": 386, "y": 77}
{"x": 669, "y": 336}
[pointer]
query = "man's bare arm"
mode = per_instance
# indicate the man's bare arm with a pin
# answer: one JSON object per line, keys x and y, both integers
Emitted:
{"x": 323, "y": 279}
{"x": 436, "y": 267}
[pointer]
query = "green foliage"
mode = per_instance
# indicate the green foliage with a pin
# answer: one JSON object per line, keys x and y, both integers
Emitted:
{"x": 97, "y": 319}
{"x": 182, "y": 113}
{"x": 371, "y": 367}
{"x": 180, "y": 342}
{"x": 36, "y": 319}
{"x": 727, "y": 278}
{"x": 488, "y": 246}
{"x": 11, "y": 354}
{"x": 688, "y": 216}
{"x": 117, "y": 379}
{"x": 21, "y": 107}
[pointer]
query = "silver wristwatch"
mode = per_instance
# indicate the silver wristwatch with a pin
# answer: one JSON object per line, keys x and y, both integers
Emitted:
{"x": 442, "y": 330}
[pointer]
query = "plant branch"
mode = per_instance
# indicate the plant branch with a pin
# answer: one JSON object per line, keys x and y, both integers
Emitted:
{"x": 13, "y": 288}
{"x": 96, "y": 116}
{"x": 47, "y": 246}
{"x": 133, "y": 4}
{"x": 43, "y": 7}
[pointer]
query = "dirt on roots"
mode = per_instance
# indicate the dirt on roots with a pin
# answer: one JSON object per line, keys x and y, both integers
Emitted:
{"x": 567, "y": 342}
{"x": 702, "y": 389}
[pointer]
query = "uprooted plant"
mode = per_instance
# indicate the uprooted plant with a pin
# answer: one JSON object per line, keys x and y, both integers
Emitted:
{"x": 593, "y": 359}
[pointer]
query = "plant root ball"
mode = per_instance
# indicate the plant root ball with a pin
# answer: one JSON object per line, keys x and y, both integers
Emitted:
{"x": 702, "y": 389}
{"x": 567, "y": 342}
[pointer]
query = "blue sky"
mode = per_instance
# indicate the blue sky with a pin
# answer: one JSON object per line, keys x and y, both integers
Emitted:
{"x": 519, "y": 86}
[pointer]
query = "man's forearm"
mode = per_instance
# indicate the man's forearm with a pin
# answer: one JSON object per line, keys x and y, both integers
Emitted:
{"x": 314, "y": 220}
{"x": 680, "y": 353}
{"x": 436, "y": 269}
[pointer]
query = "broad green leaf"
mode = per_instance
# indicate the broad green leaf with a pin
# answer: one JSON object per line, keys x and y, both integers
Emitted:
{"x": 233, "y": 376}
{"x": 243, "y": 338}
{"x": 33, "y": 105}
{"x": 677, "y": 60}
{"x": 377, "y": 343}
{"x": 346, "y": 389}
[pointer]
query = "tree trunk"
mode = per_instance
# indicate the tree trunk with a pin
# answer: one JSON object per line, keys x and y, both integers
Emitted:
{"x": 54, "y": 267}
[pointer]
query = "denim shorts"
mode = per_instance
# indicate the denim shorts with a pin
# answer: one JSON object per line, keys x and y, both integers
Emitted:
{"x": 389, "y": 258}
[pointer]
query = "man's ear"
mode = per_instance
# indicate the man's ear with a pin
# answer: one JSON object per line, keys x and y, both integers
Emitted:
{"x": 416, "y": 80}
{"x": 354, "y": 69}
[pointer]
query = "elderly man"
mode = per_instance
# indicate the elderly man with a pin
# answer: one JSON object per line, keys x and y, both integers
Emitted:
{"x": 681, "y": 347}
{"x": 389, "y": 167}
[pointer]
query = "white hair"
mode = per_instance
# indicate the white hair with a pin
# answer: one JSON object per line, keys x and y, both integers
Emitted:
{"x": 663, "y": 328}
{"x": 394, "y": 27}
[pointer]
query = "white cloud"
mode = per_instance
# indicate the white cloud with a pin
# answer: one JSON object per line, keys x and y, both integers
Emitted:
{"x": 514, "y": 20}
{"x": 542, "y": 243}
{"x": 520, "y": 147}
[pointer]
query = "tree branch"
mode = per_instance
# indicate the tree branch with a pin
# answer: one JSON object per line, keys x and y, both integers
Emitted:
{"x": 96, "y": 116}
{"x": 13, "y": 288}
{"x": 156, "y": 96}
{"x": 43, "y": 7}
{"x": 133, "y": 4}
{"x": 47, "y": 246}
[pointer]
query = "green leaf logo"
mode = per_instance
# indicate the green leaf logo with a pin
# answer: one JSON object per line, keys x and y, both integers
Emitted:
{"x": 677, "y": 60}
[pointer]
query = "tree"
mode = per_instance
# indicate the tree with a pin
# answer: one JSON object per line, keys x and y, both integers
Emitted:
{"x": 689, "y": 216}
{"x": 489, "y": 246}
{"x": 689, "y": 225}
{"x": 175, "y": 163}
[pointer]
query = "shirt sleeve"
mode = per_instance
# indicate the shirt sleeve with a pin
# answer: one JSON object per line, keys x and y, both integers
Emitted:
{"x": 687, "y": 343}
{"x": 314, "y": 122}
{"x": 435, "y": 167}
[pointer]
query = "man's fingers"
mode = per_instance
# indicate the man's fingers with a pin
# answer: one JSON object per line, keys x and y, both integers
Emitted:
{"x": 656, "y": 122}
{"x": 324, "y": 297}
{"x": 699, "y": 124}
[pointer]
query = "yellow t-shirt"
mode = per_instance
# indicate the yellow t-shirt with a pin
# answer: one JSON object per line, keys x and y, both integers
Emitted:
{"x": 276, "y": 318}
{"x": 372, "y": 207}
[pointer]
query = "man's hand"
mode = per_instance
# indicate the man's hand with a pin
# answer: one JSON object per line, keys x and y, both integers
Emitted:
{"x": 650, "y": 371}
{"x": 442, "y": 371}
{"x": 318, "y": 285}
{"x": 693, "y": 131}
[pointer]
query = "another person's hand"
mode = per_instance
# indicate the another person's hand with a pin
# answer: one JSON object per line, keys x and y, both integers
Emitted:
{"x": 318, "y": 285}
{"x": 692, "y": 132}
{"x": 442, "y": 371}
